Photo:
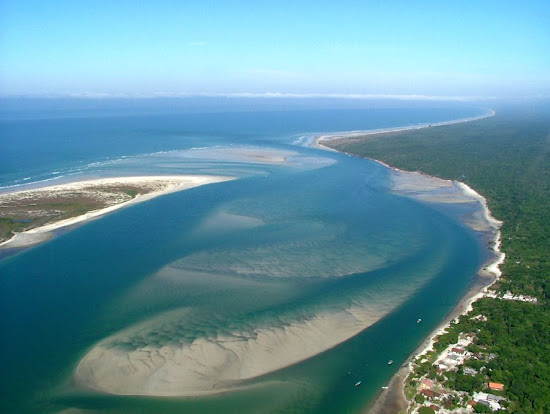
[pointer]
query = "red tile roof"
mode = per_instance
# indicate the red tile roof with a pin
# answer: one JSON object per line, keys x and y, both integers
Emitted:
{"x": 497, "y": 386}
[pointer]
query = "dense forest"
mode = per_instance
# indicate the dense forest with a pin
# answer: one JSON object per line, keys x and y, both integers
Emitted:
{"x": 506, "y": 158}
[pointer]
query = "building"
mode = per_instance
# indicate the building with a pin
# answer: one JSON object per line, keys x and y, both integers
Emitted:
{"x": 426, "y": 384}
{"x": 496, "y": 386}
{"x": 490, "y": 400}
{"x": 453, "y": 359}
{"x": 457, "y": 351}
{"x": 430, "y": 393}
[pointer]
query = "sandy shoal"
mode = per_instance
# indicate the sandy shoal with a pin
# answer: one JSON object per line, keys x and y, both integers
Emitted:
{"x": 155, "y": 185}
{"x": 217, "y": 363}
{"x": 174, "y": 354}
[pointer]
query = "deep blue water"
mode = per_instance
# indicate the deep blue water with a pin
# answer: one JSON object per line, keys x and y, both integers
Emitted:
{"x": 317, "y": 234}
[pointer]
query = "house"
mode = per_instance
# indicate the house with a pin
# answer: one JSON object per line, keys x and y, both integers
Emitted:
{"x": 493, "y": 397}
{"x": 457, "y": 351}
{"x": 430, "y": 393}
{"x": 470, "y": 371}
{"x": 453, "y": 359}
{"x": 496, "y": 386}
{"x": 426, "y": 384}
{"x": 489, "y": 400}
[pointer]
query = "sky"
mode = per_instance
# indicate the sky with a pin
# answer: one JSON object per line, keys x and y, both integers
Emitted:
{"x": 253, "y": 48}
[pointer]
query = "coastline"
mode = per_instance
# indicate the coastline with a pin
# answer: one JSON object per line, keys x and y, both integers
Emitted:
{"x": 162, "y": 185}
{"x": 392, "y": 399}
{"x": 354, "y": 134}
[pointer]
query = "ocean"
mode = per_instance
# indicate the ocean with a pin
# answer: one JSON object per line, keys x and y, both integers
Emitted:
{"x": 274, "y": 292}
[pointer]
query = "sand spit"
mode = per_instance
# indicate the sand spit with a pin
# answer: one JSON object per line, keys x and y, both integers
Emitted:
{"x": 219, "y": 363}
{"x": 101, "y": 190}
{"x": 359, "y": 134}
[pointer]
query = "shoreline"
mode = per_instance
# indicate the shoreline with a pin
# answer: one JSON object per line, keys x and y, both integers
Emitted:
{"x": 167, "y": 184}
{"x": 392, "y": 399}
{"x": 354, "y": 134}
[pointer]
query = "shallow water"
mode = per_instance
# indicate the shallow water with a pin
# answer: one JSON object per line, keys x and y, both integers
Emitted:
{"x": 267, "y": 268}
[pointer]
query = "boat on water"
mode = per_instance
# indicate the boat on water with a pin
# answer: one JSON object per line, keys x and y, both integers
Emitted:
{"x": 418, "y": 320}
{"x": 390, "y": 362}
{"x": 358, "y": 383}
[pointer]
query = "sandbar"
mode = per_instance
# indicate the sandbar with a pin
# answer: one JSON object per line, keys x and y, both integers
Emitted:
{"x": 219, "y": 362}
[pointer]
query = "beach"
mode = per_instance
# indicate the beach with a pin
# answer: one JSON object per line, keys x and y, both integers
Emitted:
{"x": 426, "y": 188}
{"x": 375, "y": 133}
{"x": 108, "y": 192}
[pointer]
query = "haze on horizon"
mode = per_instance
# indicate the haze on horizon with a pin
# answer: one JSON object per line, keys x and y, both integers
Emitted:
{"x": 359, "y": 48}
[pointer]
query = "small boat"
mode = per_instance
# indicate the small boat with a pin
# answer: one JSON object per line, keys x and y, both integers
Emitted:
{"x": 390, "y": 362}
{"x": 385, "y": 388}
{"x": 358, "y": 383}
{"x": 418, "y": 320}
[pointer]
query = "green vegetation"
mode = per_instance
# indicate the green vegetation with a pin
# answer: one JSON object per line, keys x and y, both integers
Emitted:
{"x": 7, "y": 225}
{"x": 506, "y": 158}
{"x": 18, "y": 217}
{"x": 480, "y": 408}
{"x": 20, "y": 213}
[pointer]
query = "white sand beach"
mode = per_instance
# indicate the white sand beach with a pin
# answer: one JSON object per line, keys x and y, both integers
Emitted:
{"x": 317, "y": 142}
{"x": 152, "y": 186}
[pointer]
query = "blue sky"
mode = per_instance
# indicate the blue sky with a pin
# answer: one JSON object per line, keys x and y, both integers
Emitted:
{"x": 459, "y": 48}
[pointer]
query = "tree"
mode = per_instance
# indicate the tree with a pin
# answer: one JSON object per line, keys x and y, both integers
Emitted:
{"x": 480, "y": 408}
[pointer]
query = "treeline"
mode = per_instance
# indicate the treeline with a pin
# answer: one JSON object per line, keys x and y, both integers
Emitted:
{"x": 506, "y": 158}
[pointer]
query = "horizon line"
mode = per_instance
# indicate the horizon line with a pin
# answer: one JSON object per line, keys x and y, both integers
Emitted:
{"x": 251, "y": 95}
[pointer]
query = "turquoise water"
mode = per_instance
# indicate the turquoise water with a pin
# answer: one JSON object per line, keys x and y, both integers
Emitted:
{"x": 275, "y": 250}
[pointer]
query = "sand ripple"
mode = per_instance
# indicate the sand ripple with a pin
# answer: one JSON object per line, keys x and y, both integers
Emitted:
{"x": 211, "y": 364}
